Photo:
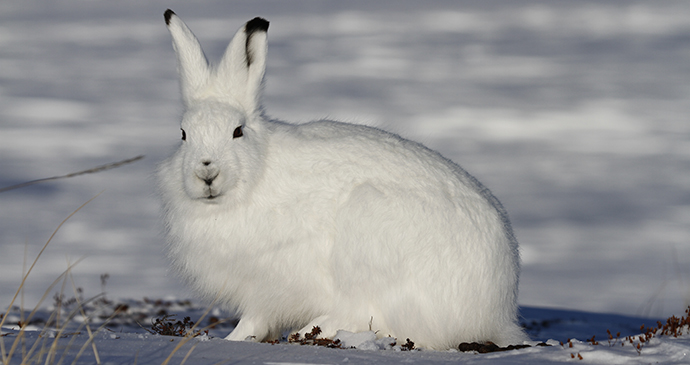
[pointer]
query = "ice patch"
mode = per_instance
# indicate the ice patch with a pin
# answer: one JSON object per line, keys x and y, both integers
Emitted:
{"x": 364, "y": 340}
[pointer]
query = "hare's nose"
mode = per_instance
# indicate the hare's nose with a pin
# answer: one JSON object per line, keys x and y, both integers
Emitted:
{"x": 208, "y": 173}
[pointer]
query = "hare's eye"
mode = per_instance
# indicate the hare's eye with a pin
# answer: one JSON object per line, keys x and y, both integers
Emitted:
{"x": 237, "y": 133}
{"x": 184, "y": 135}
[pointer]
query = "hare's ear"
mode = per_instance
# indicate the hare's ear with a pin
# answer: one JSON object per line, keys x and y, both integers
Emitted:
{"x": 191, "y": 61}
{"x": 242, "y": 68}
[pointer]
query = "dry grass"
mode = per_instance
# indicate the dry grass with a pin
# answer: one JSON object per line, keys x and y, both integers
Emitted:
{"x": 45, "y": 348}
{"x": 674, "y": 327}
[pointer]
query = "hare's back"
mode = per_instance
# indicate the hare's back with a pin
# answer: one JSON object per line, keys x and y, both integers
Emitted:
{"x": 357, "y": 154}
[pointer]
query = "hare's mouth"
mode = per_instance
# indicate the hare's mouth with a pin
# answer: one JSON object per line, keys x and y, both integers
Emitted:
{"x": 211, "y": 194}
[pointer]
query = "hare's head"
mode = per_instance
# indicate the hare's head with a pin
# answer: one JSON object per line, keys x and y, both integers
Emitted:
{"x": 223, "y": 141}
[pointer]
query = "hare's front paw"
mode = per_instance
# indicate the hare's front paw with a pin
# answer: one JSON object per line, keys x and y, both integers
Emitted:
{"x": 248, "y": 330}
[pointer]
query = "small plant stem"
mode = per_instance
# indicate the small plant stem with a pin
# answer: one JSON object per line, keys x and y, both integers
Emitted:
{"x": 189, "y": 353}
{"x": 86, "y": 323}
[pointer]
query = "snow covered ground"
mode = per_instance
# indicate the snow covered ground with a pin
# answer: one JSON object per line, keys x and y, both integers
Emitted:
{"x": 575, "y": 114}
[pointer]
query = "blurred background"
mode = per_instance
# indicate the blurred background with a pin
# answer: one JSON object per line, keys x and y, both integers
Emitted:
{"x": 575, "y": 114}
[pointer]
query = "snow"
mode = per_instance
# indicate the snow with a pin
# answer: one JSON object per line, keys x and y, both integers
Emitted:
{"x": 128, "y": 338}
{"x": 575, "y": 114}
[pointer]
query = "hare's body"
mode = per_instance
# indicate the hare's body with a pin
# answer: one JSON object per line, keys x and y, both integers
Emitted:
{"x": 334, "y": 225}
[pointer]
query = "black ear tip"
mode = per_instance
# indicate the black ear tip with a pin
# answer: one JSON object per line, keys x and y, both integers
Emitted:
{"x": 256, "y": 24}
{"x": 168, "y": 14}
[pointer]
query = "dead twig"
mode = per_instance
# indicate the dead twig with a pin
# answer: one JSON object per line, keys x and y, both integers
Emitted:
{"x": 89, "y": 171}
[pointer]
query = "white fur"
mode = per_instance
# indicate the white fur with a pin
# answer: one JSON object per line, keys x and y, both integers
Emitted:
{"x": 338, "y": 225}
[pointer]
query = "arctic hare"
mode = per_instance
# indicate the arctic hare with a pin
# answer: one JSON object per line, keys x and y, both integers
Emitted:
{"x": 328, "y": 224}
